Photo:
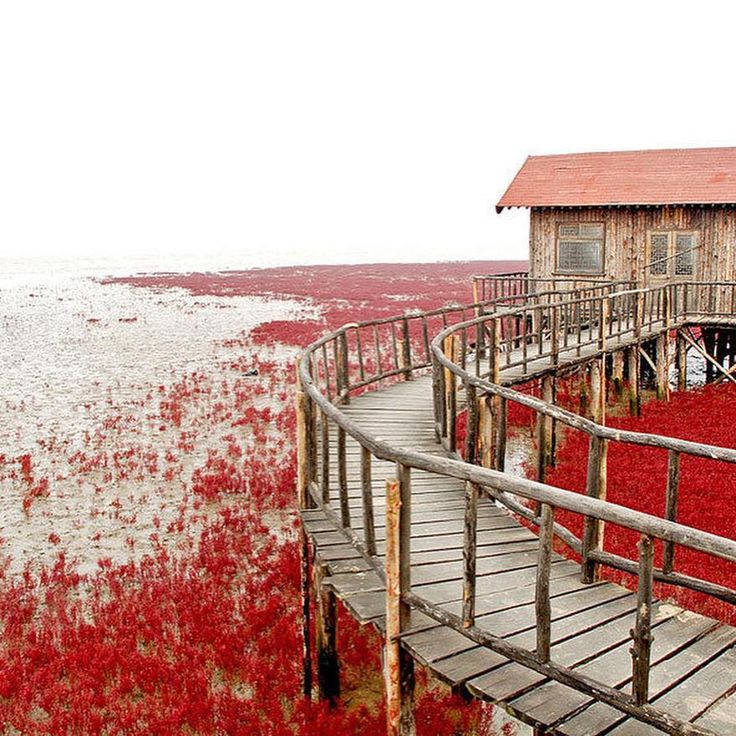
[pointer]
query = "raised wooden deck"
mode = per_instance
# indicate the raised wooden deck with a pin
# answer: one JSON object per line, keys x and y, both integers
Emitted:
{"x": 692, "y": 676}
{"x": 591, "y": 624}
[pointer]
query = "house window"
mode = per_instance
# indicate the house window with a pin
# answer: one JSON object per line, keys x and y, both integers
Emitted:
{"x": 672, "y": 254}
{"x": 580, "y": 247}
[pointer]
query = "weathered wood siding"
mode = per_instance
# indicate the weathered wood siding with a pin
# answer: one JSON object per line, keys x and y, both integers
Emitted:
{"x": 626, "y": 232}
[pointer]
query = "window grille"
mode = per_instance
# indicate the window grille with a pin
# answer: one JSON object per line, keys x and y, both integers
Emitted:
{"x": 580, "y": 248}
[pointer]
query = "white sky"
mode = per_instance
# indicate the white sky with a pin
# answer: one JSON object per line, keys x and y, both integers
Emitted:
{"x": 330, "y": 131}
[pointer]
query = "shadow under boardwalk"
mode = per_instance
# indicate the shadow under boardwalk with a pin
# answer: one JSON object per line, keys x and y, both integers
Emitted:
{"x": 693, "y": 673}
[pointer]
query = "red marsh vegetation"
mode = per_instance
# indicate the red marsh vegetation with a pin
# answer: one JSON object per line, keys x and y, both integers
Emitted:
{"x": 197, "y": 631}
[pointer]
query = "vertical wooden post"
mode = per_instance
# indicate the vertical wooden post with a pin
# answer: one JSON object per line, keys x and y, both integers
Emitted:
{"x": 595, "y": 488}
{"x": 485, "y": 430}
{"x": 406, "y": 349}
{"x": 663, "y": 386}
{"x": 618, "y": 373}
{"x": 598, "y": 389}
{"x": 438, "y": 394}
{"x": 342, "y": 472}
{"x": 681, "y": 360}
{"x": 328, "y": 668}
{"x": 301, "y": 442}
{"x": 543, "y": 608}
{"x": 549, "y": 394}
{"x": 501, "y": 432}
{"x": 341, "y": 366}
{"x": 366, "y": 482}
{"x": 399, "y": 667}
{"x": 634, "y": 362}
{"x": 469, "y": 553}
{"x": 325, "y": 458}
{"x": 641, "y": 633}
{"x": 471, "y": 427}
{"x": 304, "y": 444}
{"x": 541, "y": 438}
{"x": 673, "y": 485}
{"x": 306, "y": 614}
{"x": 450, "y": 350}
{"x": 304, "y": 502}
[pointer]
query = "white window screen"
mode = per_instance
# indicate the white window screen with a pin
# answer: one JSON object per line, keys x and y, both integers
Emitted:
{"x": 580, "y": 248}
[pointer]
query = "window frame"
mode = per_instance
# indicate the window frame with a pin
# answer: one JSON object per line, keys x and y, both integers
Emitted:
{"x": 671, "y": 262}
{"x": 600, "y": 270}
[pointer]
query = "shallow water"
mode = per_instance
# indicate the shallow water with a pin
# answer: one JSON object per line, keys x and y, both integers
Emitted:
{"x": 82, "y": 364}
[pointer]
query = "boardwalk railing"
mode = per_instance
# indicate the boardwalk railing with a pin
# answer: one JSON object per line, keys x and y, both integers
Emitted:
{"x": 474, "y": 345}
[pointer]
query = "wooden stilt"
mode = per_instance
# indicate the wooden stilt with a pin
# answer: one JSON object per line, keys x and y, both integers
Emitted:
{"x": 549, "y": 394}
{"x": 583, "y": 392}
{"x": 485, "y": 432}
{"x": 598, "y": 391}
{"x": 633, "y": 360}
{"x": 681, "y": 361}
{"x": 595, "y": 488}
{"x": 306, "y": 616}
{"x": 398, "y": 664}
{"x": 662, "y": 365}
{"x": 500, "y": 434}
{"x": 618, "y": 373}
{"x": 328, "y": 669}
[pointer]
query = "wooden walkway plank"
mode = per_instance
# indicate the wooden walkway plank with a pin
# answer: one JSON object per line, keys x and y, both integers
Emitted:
{"x": 690, "y": 643}
{"x": 590, "y": 624}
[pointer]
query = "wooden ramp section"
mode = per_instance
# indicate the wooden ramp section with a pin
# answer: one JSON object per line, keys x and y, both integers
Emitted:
{"x": 693, "y": 658}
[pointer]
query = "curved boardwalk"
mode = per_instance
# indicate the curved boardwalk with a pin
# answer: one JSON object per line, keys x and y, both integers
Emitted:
{"x": 692, "y": 658}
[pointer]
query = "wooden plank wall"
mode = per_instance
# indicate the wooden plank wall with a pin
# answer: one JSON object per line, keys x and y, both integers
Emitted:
{"x": 626, "y": 231}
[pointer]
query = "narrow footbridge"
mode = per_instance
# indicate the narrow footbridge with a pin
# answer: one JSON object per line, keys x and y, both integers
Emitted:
{"x": 412, "y": 514}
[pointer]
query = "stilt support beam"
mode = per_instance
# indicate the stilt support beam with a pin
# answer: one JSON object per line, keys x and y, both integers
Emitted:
{"x": 398, "y": 664}
{"x": 328, "y": 668}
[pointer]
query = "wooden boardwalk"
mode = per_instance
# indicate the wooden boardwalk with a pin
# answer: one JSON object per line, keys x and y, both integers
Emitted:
{"x": 692, "y": 675}
{"x": 693, "y": 657}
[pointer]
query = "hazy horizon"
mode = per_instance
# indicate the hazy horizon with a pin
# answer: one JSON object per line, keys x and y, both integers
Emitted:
{"x": 329, "y": 132}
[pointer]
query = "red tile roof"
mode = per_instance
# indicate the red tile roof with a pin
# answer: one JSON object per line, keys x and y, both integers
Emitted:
{"x": 676, "y": 176}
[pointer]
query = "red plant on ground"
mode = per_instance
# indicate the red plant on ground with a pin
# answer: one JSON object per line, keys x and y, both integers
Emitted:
{"x": 199, "y": 630}
{"x": 637, "y": 479}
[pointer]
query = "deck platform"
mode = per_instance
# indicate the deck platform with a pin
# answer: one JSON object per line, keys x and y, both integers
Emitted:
{"x": 693, "y": 657}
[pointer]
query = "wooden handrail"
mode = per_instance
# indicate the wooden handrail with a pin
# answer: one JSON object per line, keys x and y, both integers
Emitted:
{"x": 547, "y": 324}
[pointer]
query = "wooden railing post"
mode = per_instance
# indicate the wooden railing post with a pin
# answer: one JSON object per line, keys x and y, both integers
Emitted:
{"x": 641, "y": 634}
{"x": 438, "y": 395}
{"x": 325, "y": 483}
{"x": 406, "y": 350}
{"x": 342, "y": 367}
{"x": 471, "y": 425}
{"x": 470, "y": 546}
{"x": 398, "y": 664}
{"x": 342, "y": 473}
{"x": 543, "y": 609}
{"x": 306, "y": 445}
{"x": 366, "y": 483}
{"x": 450, "y": 346}
{"x": 673, "y": 485}
{"x": 501, "y": 421}
{"x": 595, "y": 488}
{"x": 301, "y": 443}
{"x": 328, "y": 668}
